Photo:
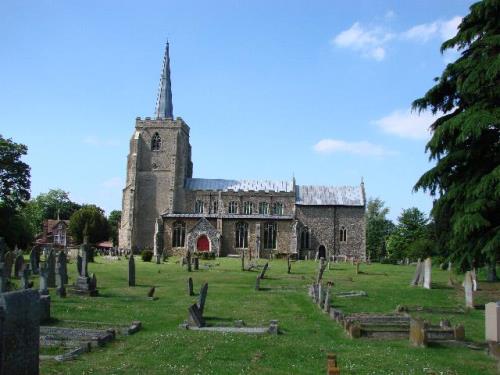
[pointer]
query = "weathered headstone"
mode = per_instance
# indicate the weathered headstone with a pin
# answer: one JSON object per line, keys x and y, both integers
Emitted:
{"x": 151, "y": 292}
{"x": 289, "y": 264}
{"x": 202, "y": 297}
{"x": 242, "y": 256}
{"x": 450, "y": 275}
{"x": 35, "y": 259}
{"x": 62, "y": 268}
{"x": 264, "y": 269}
{"x": 474, "y": 280}
{"x": 84, "y": 283}
{"x": 51, "y": 268}
{"x": 492, "y": 321}
{"x": 43, "y": 290}
{"x": 19, "y": 332}
{"x": 427, "y": 273}
{"x": 188, "y": 260}
{"x": 190, "y": 287}
{"x": 18, "y": 265}
{"x": 468, "y": 290}
{"x": 195, "y": 317}
{"x": 418, "y": 334}
{"x": 8, "y": 263}
{"x": 44, "y": 308}
{"x": 418, "y": 274}
{"x": 131, "y": 270}
{"x": 25, "y": 281}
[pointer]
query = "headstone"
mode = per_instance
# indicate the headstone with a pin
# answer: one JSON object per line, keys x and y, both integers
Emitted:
{"x": 427, "y": 273}
{"x": 43, "y": 290}
{"x": 257, "y": 283}
{"x": 264, "y": 269}
{"x": 273, "y": 327}
{"x": 242, "y": 260}
{"x": 418, "y": 274}
{"x": 195, "y": 317}
{"x": 202, "y": 297}
{"x": 492, "y": 321}
{"x": 474, "y": 280}
{"x": 468, "y": 290}
{"x": 196, "y": 263}
{"x": 190, "y": 287}
{"x": 44, "y": 308}
{"x": 188, "y": 260}
{"x": 327, "y": 302}
{"x": 158, "y": 258}
{"x": 18, "y": 265}
{"x": 332, "y": 368}
{"x": 151, "y": 292}
{"x": 61, "y": 268}
{"x": 322, "y": 267}
{"x": 35, "y": 259}
{"x": 25, "y": 281}
{"x": 164, "y": 255}
{"x": 450, "y": 275}
{"x": 289, "y": 264}
{"x": 131, "y": 271}
{"x": 8, "y": 263}
{"x": 19, "y": 332}
{"x": 51, "y": 268}
{"x": 79, "y": 264}
{"x": 418, "y": 334}
{"x": 357, "y": 268}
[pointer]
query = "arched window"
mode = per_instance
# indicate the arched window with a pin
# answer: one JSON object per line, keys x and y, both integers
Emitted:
{"x": 241, "y": 235}
{"x": 178, "y": 234}
{"x": 156, "y": 142}
{"x": 343, "y": 234}
{"x": 233, "y": 207}
{"x": 215, "y": 207}
{"x": 263, "y": 208}
{"x": 277, "y": 208}
{"x": 247, "y": 208}
{"x": 270, "y": 235}
{"x": 198, "y": 207}
{"x": 305, "y": 239}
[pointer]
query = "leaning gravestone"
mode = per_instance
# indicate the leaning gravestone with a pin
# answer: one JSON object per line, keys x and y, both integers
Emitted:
{"x": 8, "y": 263}
{"x": 131, "y": 270}
{"x": 195, "y": 317}
{"x": 51, "y": 268}
{"x": 19, "y": 332}
{"x": 468, "y": 290}
{"x": 427, "y": 273}
{"x": 264, "y": 269}
{"x": 18, "y": 265}
{"x": 418, "y": 274}
{"x": 35, "y": 259}
{"x": 190, "y": 287}
{"x": 202, "y": 297}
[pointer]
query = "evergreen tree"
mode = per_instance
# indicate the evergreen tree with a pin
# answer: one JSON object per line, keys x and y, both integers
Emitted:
{"x": 114, "y": 219}
{"x": 89, "y": 218}
{"x": 465, "y": 142}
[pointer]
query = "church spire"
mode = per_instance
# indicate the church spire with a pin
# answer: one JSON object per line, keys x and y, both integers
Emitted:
{"x": 164, "y": 107}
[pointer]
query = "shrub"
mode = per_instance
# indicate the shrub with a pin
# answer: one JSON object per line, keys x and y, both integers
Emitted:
{"x": 146, "y": 255}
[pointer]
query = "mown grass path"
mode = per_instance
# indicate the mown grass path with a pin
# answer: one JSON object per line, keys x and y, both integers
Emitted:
{"x": 308, "y": 334}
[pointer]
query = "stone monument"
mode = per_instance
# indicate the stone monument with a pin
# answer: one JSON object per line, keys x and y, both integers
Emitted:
{"x": 492, "y": 321}
{"x": 131, "y": 270}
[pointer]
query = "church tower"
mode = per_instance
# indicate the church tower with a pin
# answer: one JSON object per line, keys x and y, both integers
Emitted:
{"x": 158, "y": 163}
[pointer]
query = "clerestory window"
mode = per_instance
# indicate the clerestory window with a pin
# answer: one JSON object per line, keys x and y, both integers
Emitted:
{"x": 233, "y": 207}
{"x": 263, "y": 208}
{"x": 248, "y": 208}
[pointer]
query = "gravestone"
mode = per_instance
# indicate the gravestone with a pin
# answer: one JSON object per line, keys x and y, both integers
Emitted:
{"x": 196, "y": 263}
{"x": 264, "y": 269}
{"x": 492, "y": 321}
{"x": 35, "y": 259}
{"x": 257, "y": 283}
{"x": 164, "y": 255}
{"x": 242, "y": 260}
{"x": 79, "y": 264}
{"x": 51, "y": 268}
{"x": 8, "y": 260}
{"x": 327, "y": 302}
{"x": 188, "y": 260}
{"x": 195, "y": 317}
{"x": 19, "y": 332}
{"x": 202, "y": 297}
{"x": 474, "y": 280}
{"x": 427, "y": 273}
{"x": 468, "y": 290}
{"x": 322, "y": 267}
{"x": 151, "y": 292}
{"x": 418, "y": 334}
{"x": 25, "y": 281}
{"x": 289, "y": 264}
{"x": 43, "y": 290}
{"x": 418, "y": 274}
{"x": 44, "y": 308}
{"x": 357, "y": 267}
{"x": 450, "y": 275}
{"x": 18, "y": 265}
{"x": 190, "y": 287}
{"x": 61, "y": 268}
{"x": 84, "y": 283}
{"x": 158, "y": 258}
{"x": 131, "y": 270}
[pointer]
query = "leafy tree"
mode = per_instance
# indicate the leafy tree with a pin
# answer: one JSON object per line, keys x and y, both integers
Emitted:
{"x": 14, "y": 227}
{"x": 51, "y": 205}
{"x": 92, "y": 218}
{"x": 114, "y": 219}
{"x": 411, "y": 228}
{"x": 465, "y": 142}
{"x": 378, "y": 228}
{"x": 14, "y": 173}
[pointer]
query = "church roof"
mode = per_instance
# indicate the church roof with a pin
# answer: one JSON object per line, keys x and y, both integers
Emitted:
{"x": 309, "y": 195}
{"x": 238, "y": 185}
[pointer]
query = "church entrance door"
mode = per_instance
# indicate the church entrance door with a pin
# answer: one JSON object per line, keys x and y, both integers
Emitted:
{"x": 321, "y": 252}
{"x": 203, "y": 244}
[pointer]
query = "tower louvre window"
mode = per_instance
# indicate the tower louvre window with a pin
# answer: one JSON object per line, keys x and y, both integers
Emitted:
{"x": 270, "y": 232}
{"x": 178, "y": 234}
{"x": 156, "y": 142}
{"x": 278, "y": 208}
{"x": 248, "y": 208}
{"x": 215, "y": 207}
{"x": 233, "y": 207}
{"x": 241, "y": 236}
{"x": 264, "y": 208}
{"x": 199, "y": 207}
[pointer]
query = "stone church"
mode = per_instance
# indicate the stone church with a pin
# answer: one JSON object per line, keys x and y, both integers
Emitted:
{"x": 165, "y": 209}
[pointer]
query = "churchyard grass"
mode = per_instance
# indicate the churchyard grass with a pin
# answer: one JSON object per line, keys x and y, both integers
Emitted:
{"x": 307, "y": 336}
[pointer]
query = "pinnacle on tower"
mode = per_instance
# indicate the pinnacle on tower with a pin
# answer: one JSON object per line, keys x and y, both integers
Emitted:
{"x": 164, "y": 107}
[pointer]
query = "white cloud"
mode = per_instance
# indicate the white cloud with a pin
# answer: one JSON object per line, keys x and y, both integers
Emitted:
{"x": 390, "y": 14}
{"x": 407, "y": 124}
{"x": 426, "y": 31}
{"x": 113, "y": 183}
{"x": 95, "y": 141}
{"x": 364, "y": 148}
{"x": 370, "y": 42}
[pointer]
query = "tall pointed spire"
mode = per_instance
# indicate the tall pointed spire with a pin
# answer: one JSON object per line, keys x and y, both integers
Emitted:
{"x": 164, "y": 107}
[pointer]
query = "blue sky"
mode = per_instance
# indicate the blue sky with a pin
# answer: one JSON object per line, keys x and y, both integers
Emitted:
{"x": 270, "y": 89}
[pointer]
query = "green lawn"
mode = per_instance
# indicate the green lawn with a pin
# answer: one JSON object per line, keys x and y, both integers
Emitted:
{"x": 307, "y": 333}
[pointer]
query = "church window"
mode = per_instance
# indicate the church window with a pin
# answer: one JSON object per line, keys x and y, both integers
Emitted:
{"x": 278, "y": 208}
{"x": 241, "y": 240}
{"x": 343, "y": 234}
{"x": 263, "y": 208}
{"x": 233, "y": 207}
{"x": 305, "y": 239}
{"x": 270, "y": 232}
{"x": 156, "y": 142}
{"x": 178, "y": 234}
{"x": 198, "y": 207}
{"x": 215, "y": 207}
{"x": 248, "y": 208}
